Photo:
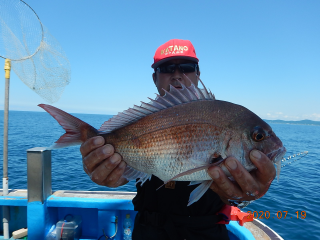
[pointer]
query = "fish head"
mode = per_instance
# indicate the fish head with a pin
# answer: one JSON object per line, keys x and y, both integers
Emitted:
{"x": 259, "y": 135}
{"x": 264, "y": 139}
{"x": 247, "y": 132}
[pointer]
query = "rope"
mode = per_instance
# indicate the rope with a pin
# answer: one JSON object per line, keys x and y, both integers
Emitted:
{"x": 116, "y": 230}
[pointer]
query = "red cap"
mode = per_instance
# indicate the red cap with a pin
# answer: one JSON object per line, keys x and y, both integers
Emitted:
{"x": 174, "y": 48}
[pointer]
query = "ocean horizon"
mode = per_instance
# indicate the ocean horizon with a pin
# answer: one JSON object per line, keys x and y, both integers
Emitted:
{"x": 276, "y": 121}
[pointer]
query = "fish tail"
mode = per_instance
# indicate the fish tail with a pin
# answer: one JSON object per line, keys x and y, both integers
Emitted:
{"x": 77, "y": 131}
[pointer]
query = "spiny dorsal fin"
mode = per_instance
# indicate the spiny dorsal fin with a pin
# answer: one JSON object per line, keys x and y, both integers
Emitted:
{"x": 172, "y": 98}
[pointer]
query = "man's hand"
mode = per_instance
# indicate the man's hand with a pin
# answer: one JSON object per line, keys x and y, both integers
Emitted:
{"x": 247, "y": 186}
{"x": 101, "y": 163}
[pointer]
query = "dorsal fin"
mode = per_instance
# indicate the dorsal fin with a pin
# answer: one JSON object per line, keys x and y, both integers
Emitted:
{"x": 172, "y": 98}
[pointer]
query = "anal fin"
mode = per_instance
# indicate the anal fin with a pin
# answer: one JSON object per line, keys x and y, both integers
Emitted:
{"x": 198, "y": 192}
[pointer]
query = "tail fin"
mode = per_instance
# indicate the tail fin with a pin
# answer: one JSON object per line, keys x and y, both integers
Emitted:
{"x": 77, "y": 131}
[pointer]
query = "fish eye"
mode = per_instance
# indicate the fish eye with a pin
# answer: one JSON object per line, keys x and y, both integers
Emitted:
{"x": 258, "y": 134}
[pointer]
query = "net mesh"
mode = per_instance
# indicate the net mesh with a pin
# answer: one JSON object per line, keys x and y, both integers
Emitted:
{"x": 36, "y": 56}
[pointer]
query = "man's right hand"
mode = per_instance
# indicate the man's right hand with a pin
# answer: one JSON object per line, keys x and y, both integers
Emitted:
{"x": 101, "y": 163}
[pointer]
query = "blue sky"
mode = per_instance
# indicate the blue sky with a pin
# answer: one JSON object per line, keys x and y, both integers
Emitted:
{"x": 264, "y": 55}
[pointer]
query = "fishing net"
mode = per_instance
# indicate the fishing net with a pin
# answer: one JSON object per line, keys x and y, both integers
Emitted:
{"x": 36, "y": 56}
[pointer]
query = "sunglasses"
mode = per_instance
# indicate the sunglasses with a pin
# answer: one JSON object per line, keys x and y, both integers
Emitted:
{"x": 183, "y": 67}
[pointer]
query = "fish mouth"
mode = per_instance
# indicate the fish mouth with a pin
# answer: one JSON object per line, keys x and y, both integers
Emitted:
{"x": 276, "y": 155}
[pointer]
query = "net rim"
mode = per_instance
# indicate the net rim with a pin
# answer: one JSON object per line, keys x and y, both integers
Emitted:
{"x": 42, "y": 36}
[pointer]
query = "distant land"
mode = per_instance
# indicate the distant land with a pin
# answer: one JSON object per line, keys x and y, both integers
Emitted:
{"x": 302, "y": 122}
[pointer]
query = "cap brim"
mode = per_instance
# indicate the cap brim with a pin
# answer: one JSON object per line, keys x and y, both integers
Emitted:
{"x": 157, "y": 64}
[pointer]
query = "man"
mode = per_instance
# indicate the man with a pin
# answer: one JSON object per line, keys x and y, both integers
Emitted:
{"x": 164, "y": 214}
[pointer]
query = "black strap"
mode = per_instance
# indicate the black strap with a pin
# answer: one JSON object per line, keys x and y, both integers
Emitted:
{"x": 169, "y": 222}
{"x": 159, "y": 219}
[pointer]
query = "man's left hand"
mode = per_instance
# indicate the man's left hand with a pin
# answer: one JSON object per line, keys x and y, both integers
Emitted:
{"x": 247, "y": 186}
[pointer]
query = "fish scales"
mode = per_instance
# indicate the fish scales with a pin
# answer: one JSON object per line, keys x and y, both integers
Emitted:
{"x": 185, "y": 138}
{"x": 153, "y": 144}
{"x": 193, "y": 112}
{"x": 205, "y": 111}
{"x": 173, "y": 150}
{"x": 179, "y": 141}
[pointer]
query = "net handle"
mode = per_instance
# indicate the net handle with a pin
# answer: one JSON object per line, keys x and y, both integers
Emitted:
{"x": 42, "y": 36}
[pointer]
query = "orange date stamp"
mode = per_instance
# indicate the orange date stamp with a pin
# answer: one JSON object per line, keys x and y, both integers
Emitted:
{"x": 278, "y": 215}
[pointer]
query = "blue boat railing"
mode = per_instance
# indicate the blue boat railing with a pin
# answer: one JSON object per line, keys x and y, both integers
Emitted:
{"x": 38, "y": 209}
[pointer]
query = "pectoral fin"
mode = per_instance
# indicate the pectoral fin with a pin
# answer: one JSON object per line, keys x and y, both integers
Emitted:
{"x": 193, "y": 171}
{"x": 186, "y": 173}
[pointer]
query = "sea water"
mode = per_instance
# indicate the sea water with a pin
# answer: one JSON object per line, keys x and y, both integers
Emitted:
{"x": 291, "y": 207}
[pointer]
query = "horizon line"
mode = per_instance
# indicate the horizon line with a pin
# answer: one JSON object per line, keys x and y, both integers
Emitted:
{"x": 116, "y": 114}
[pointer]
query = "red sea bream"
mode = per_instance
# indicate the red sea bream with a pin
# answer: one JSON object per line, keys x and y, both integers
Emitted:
{"x": 178, "y": 136}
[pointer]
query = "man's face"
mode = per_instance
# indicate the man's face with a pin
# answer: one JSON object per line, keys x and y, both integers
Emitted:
{"x": 163, "y": 80}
